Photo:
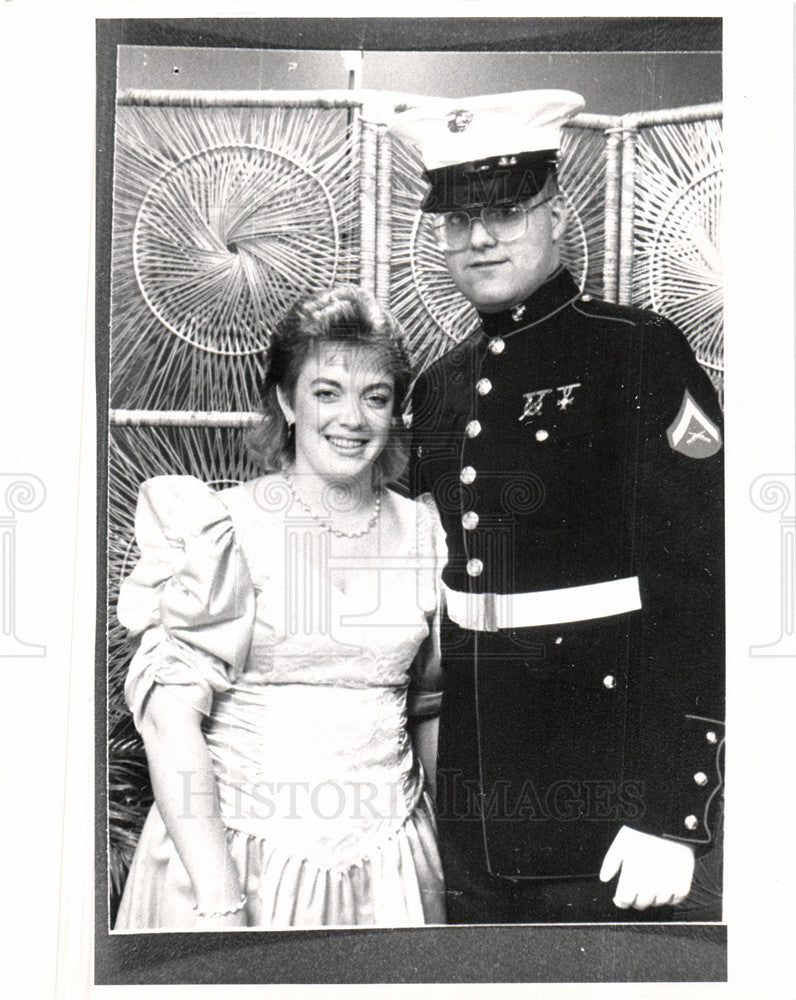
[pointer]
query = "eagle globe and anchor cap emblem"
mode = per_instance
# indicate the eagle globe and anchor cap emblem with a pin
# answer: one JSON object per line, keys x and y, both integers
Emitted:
{"x": 459, "y": 120}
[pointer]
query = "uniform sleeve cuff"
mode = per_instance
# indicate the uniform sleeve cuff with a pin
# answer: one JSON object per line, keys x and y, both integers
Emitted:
{"x": 701, "y": 781}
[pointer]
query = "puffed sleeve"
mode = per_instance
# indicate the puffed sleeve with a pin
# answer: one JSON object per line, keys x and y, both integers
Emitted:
{"x": 425, "y": 689}
{"x": 190, "y": 594}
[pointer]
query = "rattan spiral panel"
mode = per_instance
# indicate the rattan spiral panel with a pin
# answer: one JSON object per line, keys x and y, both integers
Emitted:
{"x": 227, "y": 238}
{"x": 677, "y": 267}
{"x": 222, "y": 217}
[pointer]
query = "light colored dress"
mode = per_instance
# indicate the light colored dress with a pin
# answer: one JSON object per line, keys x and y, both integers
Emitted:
{"x": 305, "y": 692}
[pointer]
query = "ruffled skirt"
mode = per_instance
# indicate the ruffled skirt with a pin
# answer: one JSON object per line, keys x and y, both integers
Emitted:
{"x": 398, "y": 884}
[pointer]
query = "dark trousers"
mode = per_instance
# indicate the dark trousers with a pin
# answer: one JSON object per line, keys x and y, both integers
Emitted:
{"x": 473, "y": 896}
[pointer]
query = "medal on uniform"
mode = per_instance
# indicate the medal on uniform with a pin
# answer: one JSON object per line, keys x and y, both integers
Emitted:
{"x": 566, "y": 391}
{"x": 533, "y": 403}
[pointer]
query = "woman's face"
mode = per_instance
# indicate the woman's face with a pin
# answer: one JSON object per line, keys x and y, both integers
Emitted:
{"x": 342, "y": 408}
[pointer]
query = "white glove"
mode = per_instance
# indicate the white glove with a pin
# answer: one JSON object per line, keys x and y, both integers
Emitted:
{"x": 654, "y": 871}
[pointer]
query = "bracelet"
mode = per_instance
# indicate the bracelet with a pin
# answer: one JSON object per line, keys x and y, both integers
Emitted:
{"x": 223, "y": 913}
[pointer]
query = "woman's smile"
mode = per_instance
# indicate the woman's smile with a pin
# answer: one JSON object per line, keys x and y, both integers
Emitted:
{"x": 342, "y": 407}
{"x": 347, "y": 445}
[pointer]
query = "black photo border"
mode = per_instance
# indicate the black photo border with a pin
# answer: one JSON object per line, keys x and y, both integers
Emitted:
{"x": 580, "y": 953}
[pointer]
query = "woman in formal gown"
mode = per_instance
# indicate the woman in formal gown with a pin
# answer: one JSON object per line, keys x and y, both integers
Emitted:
{"x": 286, "y": 681}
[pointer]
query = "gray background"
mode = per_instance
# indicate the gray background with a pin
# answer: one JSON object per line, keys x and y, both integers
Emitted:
{"x": 613, "y": 83}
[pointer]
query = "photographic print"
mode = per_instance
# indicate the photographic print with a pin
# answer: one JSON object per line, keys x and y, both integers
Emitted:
{"x": 363, "y": 400}
{"x": 367, "y": 562}
{"x": 485, "y": 689}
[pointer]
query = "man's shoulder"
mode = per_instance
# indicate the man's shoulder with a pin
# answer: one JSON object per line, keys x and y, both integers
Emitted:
{"x": 591, "y": 307}
{"x": 658, "y": 339}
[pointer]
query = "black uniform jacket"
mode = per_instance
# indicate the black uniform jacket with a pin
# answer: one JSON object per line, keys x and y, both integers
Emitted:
{"x": 571, "y": 443}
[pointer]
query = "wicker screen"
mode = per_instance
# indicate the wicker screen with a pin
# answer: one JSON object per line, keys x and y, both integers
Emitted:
{"x": 222, "y": 217}
{"x": 676, "y": 265}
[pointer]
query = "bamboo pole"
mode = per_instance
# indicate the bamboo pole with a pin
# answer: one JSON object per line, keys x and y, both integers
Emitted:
{"x": 383, "y": 103}
{"x": 675, "y": 116}
{"x": 383, "y": 233}
{"x": 613, "y": 216}
{"x": 368, "y": 195}
{"x": 239, "y": 98}
{"x": 627, "y": 213}
{"x": 182, "y": 418}
{"x": 596, "y": 123}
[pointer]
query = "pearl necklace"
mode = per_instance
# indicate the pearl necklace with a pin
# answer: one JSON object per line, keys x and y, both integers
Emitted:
{"x": 327, "y": 525}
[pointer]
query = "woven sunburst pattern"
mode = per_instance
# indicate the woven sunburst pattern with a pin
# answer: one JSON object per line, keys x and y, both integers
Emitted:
{"x": 432, "y": 311}
{"x": 677, "y": 269}
{"x": 582, "y": 178}
{"x": 222, "y": 217}
{"x": 226, "y": 238}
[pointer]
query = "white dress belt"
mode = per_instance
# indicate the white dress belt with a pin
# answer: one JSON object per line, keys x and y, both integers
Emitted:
{"x": 492, "y": 612}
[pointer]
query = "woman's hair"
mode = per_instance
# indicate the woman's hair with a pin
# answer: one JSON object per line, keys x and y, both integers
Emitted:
{"x": 345, "y": 314}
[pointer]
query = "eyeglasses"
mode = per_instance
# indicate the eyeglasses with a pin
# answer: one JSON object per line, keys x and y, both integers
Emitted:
{"x": 505, "y": 223}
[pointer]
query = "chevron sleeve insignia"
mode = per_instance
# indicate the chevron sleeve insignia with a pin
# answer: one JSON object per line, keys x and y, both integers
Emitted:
{"x": 692, "y": 432}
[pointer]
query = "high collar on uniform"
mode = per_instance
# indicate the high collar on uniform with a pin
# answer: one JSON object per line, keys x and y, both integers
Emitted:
{"x": 558, "y": 291}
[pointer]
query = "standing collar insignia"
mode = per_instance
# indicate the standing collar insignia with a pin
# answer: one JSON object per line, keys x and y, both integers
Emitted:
{"x": 518, "y": 312}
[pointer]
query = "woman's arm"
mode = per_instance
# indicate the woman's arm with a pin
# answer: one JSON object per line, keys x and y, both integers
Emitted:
{"x": 424, "y": 737}
{"x": 187, "y": 797}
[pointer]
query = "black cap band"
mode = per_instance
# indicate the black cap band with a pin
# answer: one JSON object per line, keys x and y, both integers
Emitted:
{"x": 497, "y": 180}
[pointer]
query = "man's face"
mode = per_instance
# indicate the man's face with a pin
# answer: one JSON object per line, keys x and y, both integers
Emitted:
{"x": 495, "y": 275}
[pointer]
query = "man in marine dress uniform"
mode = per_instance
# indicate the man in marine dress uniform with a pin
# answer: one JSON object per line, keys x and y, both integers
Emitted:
{"x": 573, "y": 448}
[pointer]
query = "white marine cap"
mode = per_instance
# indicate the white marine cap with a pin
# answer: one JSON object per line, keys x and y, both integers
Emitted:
{"x": 455, "y": 130}
{"x": 488, "y": 150}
